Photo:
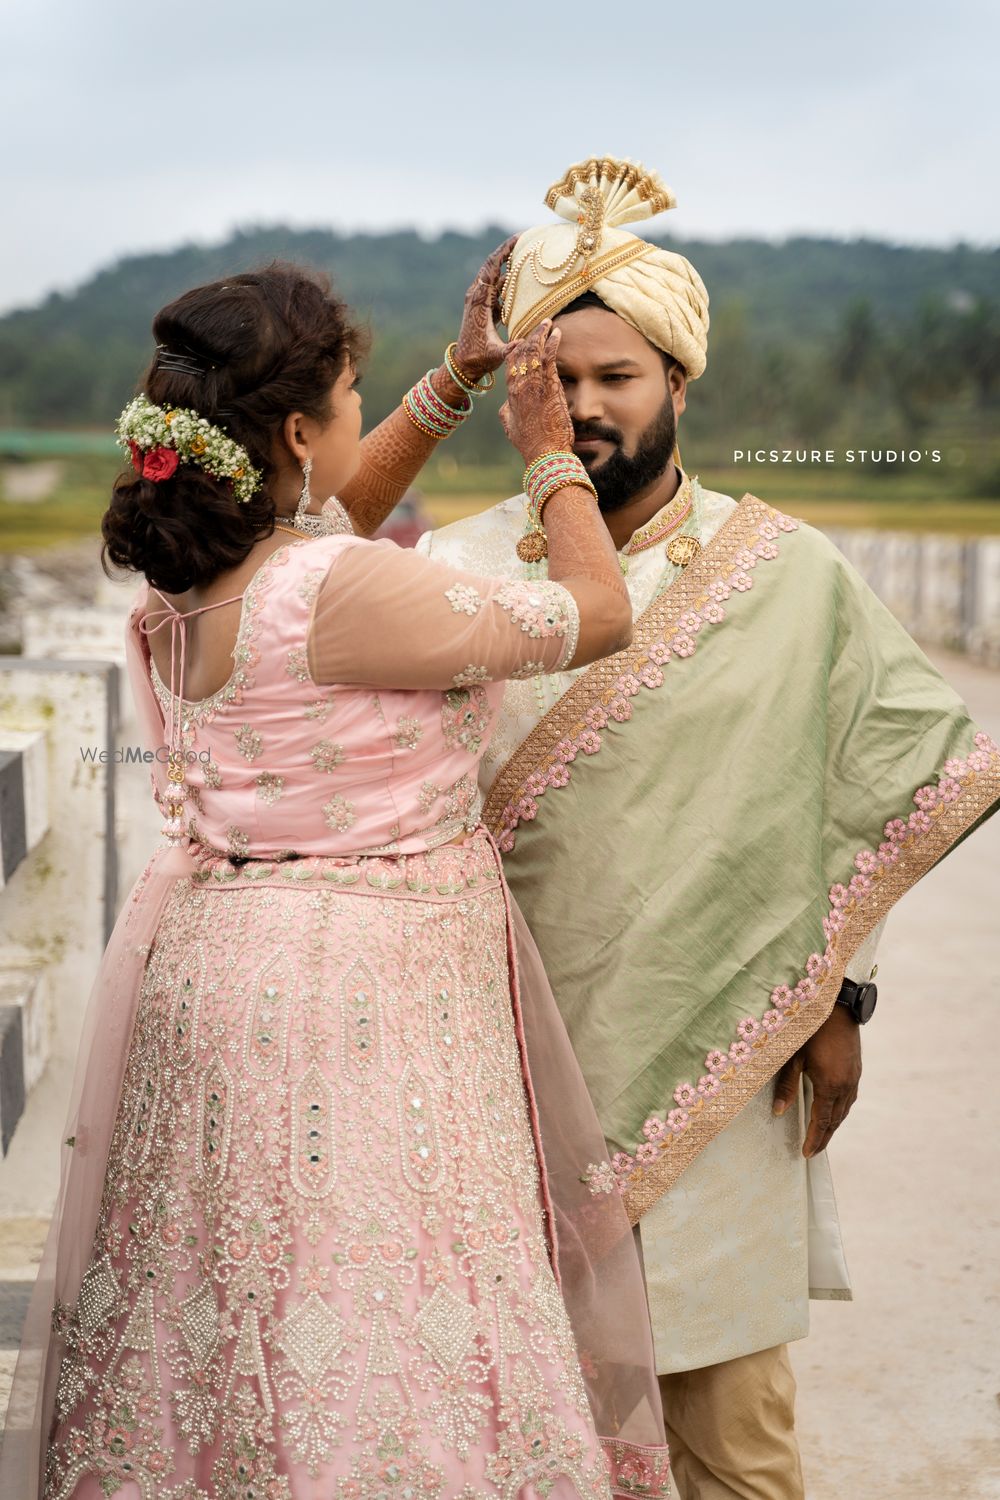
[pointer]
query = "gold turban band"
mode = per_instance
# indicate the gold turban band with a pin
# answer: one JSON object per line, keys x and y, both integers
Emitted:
{"x": 658, "y": 292}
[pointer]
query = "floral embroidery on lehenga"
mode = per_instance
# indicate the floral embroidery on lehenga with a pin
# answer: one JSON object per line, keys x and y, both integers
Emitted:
{"x": 211, "y": 774}
{"x": 428, "y": 794}
{"x": 409, "y": 731}
{"x": 339, "y": 813}
{"x": 465, "y": 718}
{"x": 296, "y": 664}
{"x": 237, "y": 842}
{"x": 310, "y": 585}
{"x": 319, "y": 710}
{"x": 326, "y": 756}
{"x": 248, "y": 742}
{"x": 269, "y": 787}
{"x": 296, "y": 1278}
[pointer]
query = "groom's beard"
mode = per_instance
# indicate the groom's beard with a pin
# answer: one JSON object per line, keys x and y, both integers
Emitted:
{"x": 620, "y": 478}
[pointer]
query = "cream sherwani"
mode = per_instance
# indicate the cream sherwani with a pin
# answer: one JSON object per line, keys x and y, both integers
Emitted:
{"x": 721, "y": 1283}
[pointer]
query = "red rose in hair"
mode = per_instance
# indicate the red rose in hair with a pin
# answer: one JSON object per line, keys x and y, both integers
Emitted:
{"x": 136, "y": 456}
{"x": 160, "y": 463}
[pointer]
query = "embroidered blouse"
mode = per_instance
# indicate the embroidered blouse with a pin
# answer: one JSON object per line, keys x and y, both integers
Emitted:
{"x": 365, "y": 688}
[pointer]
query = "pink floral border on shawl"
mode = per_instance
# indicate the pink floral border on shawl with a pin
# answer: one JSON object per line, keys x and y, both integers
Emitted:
{"x": 958, "y": 779}
{"x": 965, "y": 790}
{"x": 681, "y": 643}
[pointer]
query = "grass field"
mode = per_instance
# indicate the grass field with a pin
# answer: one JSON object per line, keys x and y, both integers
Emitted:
{"x": 947, "y": 499}
{"x": 952, "y": 497}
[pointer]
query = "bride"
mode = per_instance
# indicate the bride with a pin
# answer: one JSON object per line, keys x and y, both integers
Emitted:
{"x": 334, "y": 1218}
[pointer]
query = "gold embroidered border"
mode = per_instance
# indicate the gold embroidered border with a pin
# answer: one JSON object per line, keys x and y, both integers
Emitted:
{"x": 567, "y": 717}
{"x": 917, "y": 855}
{"x": 568, "y": 290}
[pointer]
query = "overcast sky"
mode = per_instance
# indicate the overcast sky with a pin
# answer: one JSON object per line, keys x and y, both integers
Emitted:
{"x": 128, "y": 126}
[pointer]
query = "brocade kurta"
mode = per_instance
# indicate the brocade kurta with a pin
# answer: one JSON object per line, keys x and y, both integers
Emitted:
{"x": 726, "y": 1248}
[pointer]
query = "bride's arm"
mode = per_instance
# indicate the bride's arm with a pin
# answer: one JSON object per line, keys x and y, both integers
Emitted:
{"x": 393, "y": 454}
{"x": 386, "y": 617}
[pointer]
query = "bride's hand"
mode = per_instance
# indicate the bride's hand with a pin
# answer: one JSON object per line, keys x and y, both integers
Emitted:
{"x": 480, "y": 348}
{"x": 535, "y": 416}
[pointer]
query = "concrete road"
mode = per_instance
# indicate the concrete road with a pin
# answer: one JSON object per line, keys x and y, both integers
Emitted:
{"x": 898, "y": 1390}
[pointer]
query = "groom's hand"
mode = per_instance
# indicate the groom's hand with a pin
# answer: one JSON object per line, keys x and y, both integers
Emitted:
{"x": 832, "y": 1059}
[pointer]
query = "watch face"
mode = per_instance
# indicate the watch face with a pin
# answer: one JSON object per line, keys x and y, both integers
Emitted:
{"x": 865, "y": 1002}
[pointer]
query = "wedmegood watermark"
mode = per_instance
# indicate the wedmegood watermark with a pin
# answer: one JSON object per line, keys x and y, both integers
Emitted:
{"x": 836, "y": 456}
{"x": 136, "y": 755}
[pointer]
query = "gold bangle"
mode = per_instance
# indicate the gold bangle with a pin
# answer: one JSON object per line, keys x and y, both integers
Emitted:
{"x": 471, "y": 387}
{"x": 428, "y": 431}
{"x": 567, "y": 484}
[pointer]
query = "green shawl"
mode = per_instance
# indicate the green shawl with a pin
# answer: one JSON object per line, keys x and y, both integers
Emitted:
{"x": 706, "y": 826}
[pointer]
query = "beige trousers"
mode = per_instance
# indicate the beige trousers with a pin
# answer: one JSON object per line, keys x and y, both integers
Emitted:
{"x": 731, "y": 1429}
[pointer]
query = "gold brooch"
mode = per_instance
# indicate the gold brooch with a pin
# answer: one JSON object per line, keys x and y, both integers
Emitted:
{"x": 533, "y": 545}
{"x": 682, "y": 550}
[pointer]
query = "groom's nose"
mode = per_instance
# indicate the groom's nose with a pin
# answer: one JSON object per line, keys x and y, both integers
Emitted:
{"x": 585, "y": 401}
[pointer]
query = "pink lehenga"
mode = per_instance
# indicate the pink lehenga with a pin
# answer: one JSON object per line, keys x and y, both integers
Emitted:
{"x": 322, "y": 1232}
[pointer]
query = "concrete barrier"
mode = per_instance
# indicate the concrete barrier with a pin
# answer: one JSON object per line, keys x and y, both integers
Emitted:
{"x": 58, "y": 900}
{"x": 945, "y": 590}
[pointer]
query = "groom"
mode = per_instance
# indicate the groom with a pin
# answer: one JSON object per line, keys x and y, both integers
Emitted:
{"x": 705, "y": 833}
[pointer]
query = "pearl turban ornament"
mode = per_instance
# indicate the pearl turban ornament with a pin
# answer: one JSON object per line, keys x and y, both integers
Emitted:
{"x": 657, "y": 291}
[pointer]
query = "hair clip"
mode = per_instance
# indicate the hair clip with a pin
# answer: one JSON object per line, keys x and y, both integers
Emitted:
{"x": 181, "y": 364}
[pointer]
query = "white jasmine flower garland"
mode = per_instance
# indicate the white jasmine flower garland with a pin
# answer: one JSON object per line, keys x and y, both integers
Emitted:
{"x": 159, "y": 440}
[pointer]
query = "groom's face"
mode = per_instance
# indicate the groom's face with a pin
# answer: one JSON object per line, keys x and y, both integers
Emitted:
{"x": 624, "y": 402}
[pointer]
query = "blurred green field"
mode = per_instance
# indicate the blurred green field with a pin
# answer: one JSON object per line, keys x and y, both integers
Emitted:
{"x": 955, "y": 496}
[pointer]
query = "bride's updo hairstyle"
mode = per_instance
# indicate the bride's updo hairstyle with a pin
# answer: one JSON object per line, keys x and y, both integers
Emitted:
{"x": 242, "y": 353}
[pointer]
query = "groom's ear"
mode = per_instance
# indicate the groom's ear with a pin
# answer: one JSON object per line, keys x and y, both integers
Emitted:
{"x": 676, "y": 384}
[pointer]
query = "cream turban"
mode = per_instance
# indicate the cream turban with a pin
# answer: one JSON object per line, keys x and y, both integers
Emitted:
{"x": 658, "y": 292}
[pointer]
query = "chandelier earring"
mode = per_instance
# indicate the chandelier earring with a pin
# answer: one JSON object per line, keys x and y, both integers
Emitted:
{"x": 305, "y": 498}
{"x": 331, "y": 519}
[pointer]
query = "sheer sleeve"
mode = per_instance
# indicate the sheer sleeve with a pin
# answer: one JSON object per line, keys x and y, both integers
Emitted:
{"x": 389, "y": 618}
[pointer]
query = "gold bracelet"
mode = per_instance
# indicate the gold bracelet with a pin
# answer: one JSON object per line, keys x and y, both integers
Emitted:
{"x": 471, "y": 387}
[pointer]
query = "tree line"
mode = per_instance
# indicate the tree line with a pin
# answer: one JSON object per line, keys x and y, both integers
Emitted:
{"x": 811, "y": 340}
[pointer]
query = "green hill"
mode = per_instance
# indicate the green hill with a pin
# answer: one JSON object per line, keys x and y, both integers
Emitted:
{"x": 812, "y": 339}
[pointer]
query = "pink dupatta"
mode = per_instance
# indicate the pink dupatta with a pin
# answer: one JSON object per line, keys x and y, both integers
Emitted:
{"x": 97, "y": 1082}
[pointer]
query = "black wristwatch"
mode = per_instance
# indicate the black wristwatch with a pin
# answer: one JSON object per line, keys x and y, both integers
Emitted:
{"x": 859, "y": 999}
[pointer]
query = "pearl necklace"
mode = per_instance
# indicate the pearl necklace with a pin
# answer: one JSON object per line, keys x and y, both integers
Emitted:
{"x": 332, "y": 520}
